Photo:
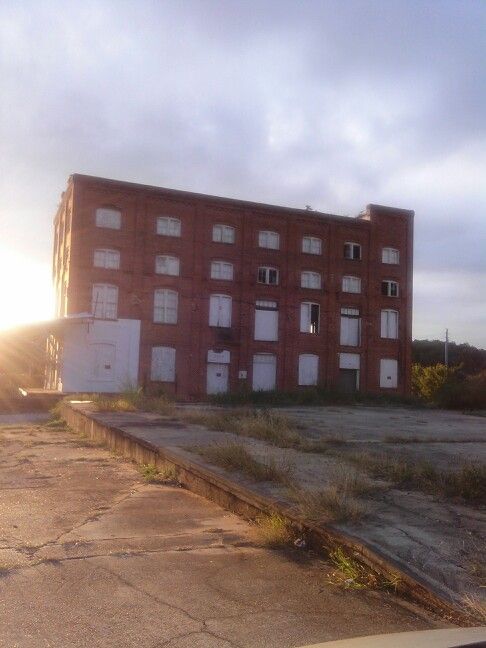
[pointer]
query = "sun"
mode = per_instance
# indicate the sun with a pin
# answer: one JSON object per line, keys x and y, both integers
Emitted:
{"x": 26, "y": 289}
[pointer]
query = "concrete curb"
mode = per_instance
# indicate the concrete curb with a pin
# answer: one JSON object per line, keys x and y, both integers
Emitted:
{"x": 196, "y": 477}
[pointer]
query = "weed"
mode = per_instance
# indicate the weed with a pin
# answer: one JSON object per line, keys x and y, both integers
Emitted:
{"x": 233, "y": 456}
{"x": 274, "y": 530}
{"x": 468, "y": 482}
{"x": 352, "y": 574}
{"x": 149, "y": 472}
{"x": 337, "y": 502}
{"x": 475, "y": 606}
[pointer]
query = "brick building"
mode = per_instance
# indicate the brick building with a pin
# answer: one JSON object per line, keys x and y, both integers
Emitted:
{"x": 196, "y": 294}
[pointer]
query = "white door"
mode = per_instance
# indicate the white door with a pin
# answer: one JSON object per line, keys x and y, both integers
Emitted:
{"x": 308, "y": 369}
{"x": 103, "y": 361}
{"x": 264, "y": 372}
{"x": 388, "y": 373}
{"x": 217, "y": 378}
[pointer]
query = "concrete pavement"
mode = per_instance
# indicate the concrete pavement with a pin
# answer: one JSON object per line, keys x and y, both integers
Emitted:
{"x": 91, "y": 555}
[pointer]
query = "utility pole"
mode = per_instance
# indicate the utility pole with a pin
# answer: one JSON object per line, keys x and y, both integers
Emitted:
{"x": 446, "y": 349}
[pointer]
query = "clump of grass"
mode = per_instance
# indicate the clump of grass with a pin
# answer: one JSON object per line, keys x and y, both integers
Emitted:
{"x": 468, "y": 482}
{"x": 235, "y": 457}
{"x": 352, "y": 574}
{"x": 337, "y": 502}
{"x": 153, "y": 474}
{"x": 475, "y": 607}
{"x": 130, "y": 400}
{"x": 274, "y": 530}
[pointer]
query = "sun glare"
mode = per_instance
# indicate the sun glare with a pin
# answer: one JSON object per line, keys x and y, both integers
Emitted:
{"x": 26, "y": 289}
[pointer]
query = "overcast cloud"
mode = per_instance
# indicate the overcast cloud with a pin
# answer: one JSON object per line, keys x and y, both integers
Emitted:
{"x": 332, "y": 104}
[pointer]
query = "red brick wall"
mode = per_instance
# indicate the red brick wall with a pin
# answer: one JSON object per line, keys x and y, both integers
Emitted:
{"x": 138, "y": 244}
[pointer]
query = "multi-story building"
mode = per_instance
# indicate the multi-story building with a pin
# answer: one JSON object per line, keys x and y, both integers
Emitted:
{"x": 197, "y": 294}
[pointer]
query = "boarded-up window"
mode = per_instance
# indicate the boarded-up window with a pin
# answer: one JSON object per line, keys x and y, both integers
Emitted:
{"x": 390, "y": 255}
{"x": 223, "y": 234}
{"x": 389, "y": 324}
{"x": 104, "y": 258}
{"x": 108, "y": 217}
{"x": 351, "y": 284}
{"x": 311, "y": 245}
{"x": 308, "y": 369}
{"x": 264, "y": 372}
{"x": 310, "y": 279}
{"x": 350, "y": 327}
{"x": 167, "y": 265}
{"x": 104, "y": 303}
{"x": 266, "y": 320}
{"x": 165, "y": 306}
{"x": 220, "y": 311}
{"x": 309, "y": 317}
{"x": 222, "y": 270}
{"x": 269, "y": 240}
{"x": 163, "y": 364}
{"x": 388, "y": 373}
{"x": 168, "y": 226}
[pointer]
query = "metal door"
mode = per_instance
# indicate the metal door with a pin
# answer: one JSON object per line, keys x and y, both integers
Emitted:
{"x": 217, "y": 378}
{"x": 264, "y": 372}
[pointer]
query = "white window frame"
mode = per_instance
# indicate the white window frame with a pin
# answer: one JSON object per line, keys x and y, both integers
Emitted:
{"x": 310, "y": 279}
{"x": 166, "y": 306}
{"x": 268, "y": 239}
{"x": 172, "y": 265}
{"x": 350, "y": 248}
{"x": 107, "y": 308}
{"x": 108, "y": 217}
{"x": 351, "y": 284}
{"x": 390, "y": 256}
{"x": 303, "y": 380}
{"x": 106, "y": 258}
{"x": 389, "y": 291}
{"x": 224, "y": 233}
{"x": 222, "y": 270}
{"x": 220, "y": 316}
{"x": 306, "y": 325}
{"x": 265, "y": 272}
{"x": 159, "y": 371}
{"x": 311, "y": 245}
{"x": 389, "y": 324}
{"x": 266, "y": 305}
{"x": 169, "y": 226}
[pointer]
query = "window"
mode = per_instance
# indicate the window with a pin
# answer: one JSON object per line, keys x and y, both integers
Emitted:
{"x": 268, "y": 275}
{"x": 223, "y": 234}
{"x": 351, "y": 284}
{"x": 220, "y": 311}
{"x": 106, "y": 259}
{"x": 308, "y": 369}
{"x": 309, "y": 317}
{"x": 163, "y": 364}
{"x": 389, "y": 324}
{"x": 167, "y": 265}
{"x": 222, "y": 270}
{"x": 311, "y": 245}
{"x": 269, "y": 240}
{"x": 108, "y": 217}
{"x": 104, "y": 301}
{"x": 388, "y": 373}
{"x": 390, "y": 255}
{"x": 350, "y": 327}
{"x": 266, "y": 320}
{"x": 352, "y": 251}
{"x": 168, "y": 226}
{"x": 165, "y": 306}
{"x": 310, "y": 280}
{"x": 389, "y": 288}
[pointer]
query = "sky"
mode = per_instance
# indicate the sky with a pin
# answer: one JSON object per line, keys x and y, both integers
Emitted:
{"x": 333, "y": 104}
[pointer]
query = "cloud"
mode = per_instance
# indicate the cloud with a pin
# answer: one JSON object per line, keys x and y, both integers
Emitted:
{"x": 330, "y": 104}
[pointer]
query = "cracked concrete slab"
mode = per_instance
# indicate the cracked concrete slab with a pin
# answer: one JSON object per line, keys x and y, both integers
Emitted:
{"x": 94, "y": 556}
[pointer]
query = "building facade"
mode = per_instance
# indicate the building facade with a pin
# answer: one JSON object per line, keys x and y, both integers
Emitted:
{"x": 230, "y": 294}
